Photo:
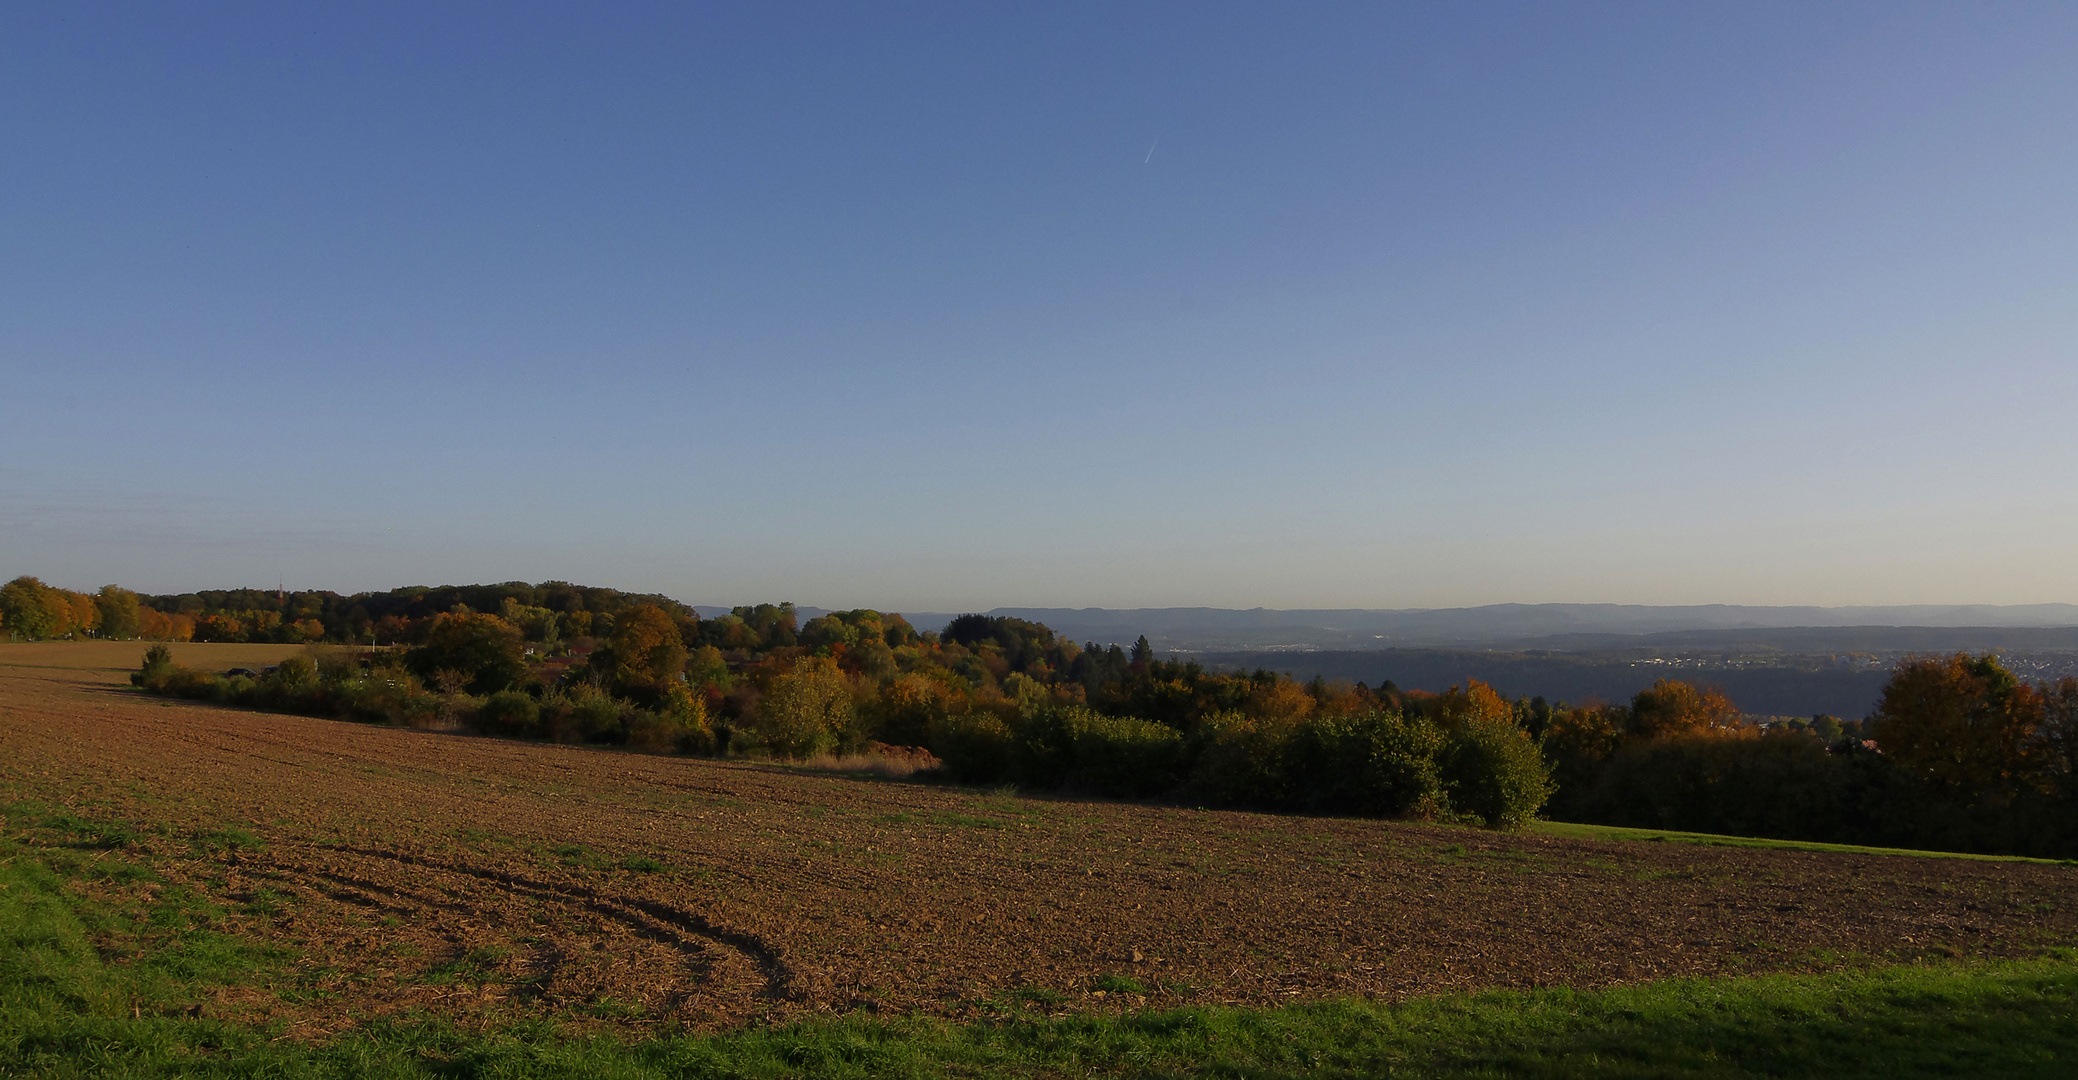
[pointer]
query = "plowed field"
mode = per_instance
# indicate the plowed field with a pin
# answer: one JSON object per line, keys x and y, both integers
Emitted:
{"x": 478, "y": 877}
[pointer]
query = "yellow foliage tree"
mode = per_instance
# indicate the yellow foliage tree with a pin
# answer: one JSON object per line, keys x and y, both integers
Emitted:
{"x": 647, "y": 649}
{"x": 808, "y": 709}
{"x": 1281, "y": 702}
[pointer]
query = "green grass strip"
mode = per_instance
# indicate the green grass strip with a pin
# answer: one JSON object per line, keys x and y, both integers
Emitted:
{"x": 1575, "y": 831}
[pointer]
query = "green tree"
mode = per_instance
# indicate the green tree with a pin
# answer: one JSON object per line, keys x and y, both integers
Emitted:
{"x": 120, "y": 616}
{"x": 825, "y": 631}
{"x": 485, "y": 649}
{"x": 31, "y": 610}
{"x": 773, "y": 624}
{"x": 705, "y": 666}
{"x": 1493, "y": 769}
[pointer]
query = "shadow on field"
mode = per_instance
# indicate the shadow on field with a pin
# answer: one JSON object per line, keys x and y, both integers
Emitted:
{"x": 1979, "y": 1020}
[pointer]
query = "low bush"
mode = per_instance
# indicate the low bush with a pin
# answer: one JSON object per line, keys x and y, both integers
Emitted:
{"x": 1122, "y": 756}
{"x": 586, "y": 714}
{"x": 668, "y": 733}
{"x": 1378, "y": 764}
{"x": 1382, "y": 763}
{"x": 301, "y": 684}
{"x": 510, "y": 712}
{"x": 1238, "y": 760}
{"x": 975, "y": 747}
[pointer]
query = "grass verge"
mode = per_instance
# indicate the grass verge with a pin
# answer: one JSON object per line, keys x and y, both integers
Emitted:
{"x": 1575, "y": 831}
{"x": 105, "y": 973}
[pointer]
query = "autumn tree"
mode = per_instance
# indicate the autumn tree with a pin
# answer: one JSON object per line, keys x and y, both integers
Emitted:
{"x": 808, "y": 709}
{"x": 647, "y": 650}
{"x": 1965, "y": 723}
{"x": 907, "y": 707}
{"x": 1281, "y": 701}
{"x": 160, "y": 626}
{"x": 1671, "y": 708}
{"x": 82, "y": 614}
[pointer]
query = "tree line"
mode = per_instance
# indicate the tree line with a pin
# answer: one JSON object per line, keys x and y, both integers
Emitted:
{"x": 996, "y": 700}
{"x": 1958, "y": 755}
{"x": 33, "y": 611}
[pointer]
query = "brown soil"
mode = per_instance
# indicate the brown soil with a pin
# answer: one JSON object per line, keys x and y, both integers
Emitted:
{"x": 487, "y": 878}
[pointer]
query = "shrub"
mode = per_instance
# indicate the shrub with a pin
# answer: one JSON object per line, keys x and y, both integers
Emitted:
{"x": 510, "y": 712}
{"x": 160, "y": 675}
{"x": 1111, "y": 755}
{"x": 296, "y": 671}
{"x": 158, "y": 663}
{"x": 233, "y": 689}
{"x": 1238, "y": 760}
{"x": 1494, "y": 771}
{"x": 680, "y": 726}
{"x": 807, "y": 710}
{"x": 1783, "y": 785}
{"x": 666, "y": 733}
{"x": 585, "y": 715}
{"x": 1379, "y": 764}
{"x": 975, "y": 747}
{"x": 187, "y": 683}
{"x": 386, "y": 694}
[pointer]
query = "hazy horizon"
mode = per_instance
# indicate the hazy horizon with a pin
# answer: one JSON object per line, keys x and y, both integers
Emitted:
{"x": 946, "y": 309}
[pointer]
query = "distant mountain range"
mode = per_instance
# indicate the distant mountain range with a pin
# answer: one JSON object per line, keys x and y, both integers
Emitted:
{"x": 1567, "y": 627}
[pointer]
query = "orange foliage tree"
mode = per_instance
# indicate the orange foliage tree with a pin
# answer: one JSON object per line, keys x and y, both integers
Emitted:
{"x": 1966, "y": 724}
{"x": 1674, "y": 709}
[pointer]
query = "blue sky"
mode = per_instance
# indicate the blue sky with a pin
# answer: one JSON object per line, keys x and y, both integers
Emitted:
{"x": 948, "y": 307}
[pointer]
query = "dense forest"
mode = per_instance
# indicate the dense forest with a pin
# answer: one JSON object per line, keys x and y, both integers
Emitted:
{"x": 1958, "y": 753}
{"x": 33, "y": 611}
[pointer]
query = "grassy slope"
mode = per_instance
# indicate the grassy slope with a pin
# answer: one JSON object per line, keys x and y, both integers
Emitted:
{"x": 1577, "y": 831}
{"x": 101, "y": 974}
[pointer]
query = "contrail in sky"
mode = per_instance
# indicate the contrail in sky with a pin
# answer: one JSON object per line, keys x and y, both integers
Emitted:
{"x": 1150, "y": 149}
